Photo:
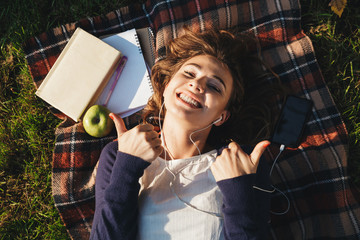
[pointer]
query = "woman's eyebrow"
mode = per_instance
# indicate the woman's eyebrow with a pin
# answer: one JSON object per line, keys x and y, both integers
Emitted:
{"x": 216, "y": 77}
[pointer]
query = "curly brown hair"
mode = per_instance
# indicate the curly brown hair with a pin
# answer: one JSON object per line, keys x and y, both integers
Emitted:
{"x": 254, "y": 85}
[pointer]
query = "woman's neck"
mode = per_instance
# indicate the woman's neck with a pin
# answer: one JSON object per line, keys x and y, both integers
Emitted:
{"x": 176, "y": 139}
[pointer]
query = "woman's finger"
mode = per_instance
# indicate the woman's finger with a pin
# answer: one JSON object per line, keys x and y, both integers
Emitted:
{"x": 119, "y": 123}
{"x": 258, "y": 152}
{"x": 146, "y": 127}
{"x": 155, "y": 143}
{"x": 233, "y": 146}
{"x": 152, "y": 135}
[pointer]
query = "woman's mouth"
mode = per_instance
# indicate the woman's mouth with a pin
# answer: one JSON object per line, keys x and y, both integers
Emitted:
{"x": 190, "y": 101}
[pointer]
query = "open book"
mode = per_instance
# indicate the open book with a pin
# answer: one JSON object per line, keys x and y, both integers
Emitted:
{"x": 86, "y": 70}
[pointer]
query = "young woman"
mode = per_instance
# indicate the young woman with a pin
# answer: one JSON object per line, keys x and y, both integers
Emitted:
{"x": 189, "y": 179}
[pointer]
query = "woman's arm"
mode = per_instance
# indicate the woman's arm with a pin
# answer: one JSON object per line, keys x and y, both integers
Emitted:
{"x": 246, "y": 211}
{"x": 121, "y": 164}
{"x": 116, "y": 192}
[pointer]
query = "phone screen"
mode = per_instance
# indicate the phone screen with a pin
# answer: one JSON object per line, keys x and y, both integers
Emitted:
{"x": 290, "y": 124}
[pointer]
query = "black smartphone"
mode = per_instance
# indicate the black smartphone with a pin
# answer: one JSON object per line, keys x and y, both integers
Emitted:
{"x": 290, "y": 125}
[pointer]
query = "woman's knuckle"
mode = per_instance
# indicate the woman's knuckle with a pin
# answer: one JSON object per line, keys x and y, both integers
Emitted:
{"x": 233, "y": 145}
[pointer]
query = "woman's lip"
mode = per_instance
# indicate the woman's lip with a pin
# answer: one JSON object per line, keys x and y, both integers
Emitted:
{"x": 191, "y": 95}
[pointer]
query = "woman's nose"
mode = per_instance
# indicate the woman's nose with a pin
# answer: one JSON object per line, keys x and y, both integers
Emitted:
{"x": 197, "y": 86}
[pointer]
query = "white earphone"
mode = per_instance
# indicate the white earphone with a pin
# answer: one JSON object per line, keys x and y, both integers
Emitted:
{"x": 217, "y": 120}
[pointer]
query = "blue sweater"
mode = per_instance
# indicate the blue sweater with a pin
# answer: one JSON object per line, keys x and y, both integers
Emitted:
{"x": 245, "y": 210}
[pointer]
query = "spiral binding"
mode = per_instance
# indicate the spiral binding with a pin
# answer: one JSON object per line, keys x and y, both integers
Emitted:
{"x": 138, "y": 43}
{"x": 150, "y": 39}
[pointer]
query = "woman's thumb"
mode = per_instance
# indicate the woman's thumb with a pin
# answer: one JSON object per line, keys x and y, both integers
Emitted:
{"x": 258, "y": 151}
{"x": 119, "y": 123}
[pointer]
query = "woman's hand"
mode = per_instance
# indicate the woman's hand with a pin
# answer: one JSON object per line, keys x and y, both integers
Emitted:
{"x": 141, "y": 141}
{"x": 234, "y": 162}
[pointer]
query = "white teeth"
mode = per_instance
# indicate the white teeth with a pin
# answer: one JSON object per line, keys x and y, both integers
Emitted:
{"x": 189, "y": 100}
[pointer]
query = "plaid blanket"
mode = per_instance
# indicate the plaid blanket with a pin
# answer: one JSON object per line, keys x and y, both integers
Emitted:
{"x": 323, "y": 204}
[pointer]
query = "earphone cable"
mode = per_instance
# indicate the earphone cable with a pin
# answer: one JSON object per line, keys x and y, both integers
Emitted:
{"x": 173, "y": 174}
{"x": 282, "y": 148}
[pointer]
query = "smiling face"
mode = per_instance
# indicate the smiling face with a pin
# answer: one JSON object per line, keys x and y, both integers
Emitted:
{"x": 199, "y": 91}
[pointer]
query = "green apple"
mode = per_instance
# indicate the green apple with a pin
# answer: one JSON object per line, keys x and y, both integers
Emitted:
{"x": 97, "y": 122}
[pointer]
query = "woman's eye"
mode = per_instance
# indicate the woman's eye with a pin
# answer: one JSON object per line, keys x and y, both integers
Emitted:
{"x": 215, "y": 88}
{"x": 189, "y": 74}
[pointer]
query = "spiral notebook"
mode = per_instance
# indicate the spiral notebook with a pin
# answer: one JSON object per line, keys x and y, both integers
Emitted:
{"x": 133, "y": 88}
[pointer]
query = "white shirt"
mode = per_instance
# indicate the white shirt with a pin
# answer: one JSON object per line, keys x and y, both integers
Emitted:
{"x": 164, "y": 216}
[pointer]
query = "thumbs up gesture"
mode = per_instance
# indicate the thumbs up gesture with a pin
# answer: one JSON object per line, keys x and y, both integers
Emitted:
{"x": 234, "y": 162}
{"x": 141, "y": 141}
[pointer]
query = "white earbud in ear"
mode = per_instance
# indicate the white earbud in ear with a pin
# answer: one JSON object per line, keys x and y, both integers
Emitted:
{"x": 217, "y": 120}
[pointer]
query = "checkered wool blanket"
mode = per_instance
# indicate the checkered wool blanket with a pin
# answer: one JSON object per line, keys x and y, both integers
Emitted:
{"x": 314, "y": 176}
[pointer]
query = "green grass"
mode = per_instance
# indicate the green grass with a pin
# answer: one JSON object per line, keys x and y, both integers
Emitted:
{"x": 337, "y": 47}
{"x": 27, "y": 129}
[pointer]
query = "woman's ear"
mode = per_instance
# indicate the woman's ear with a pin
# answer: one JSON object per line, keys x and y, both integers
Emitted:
{"x": 165, "y": 88}
{"x": 223, "y": 118}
